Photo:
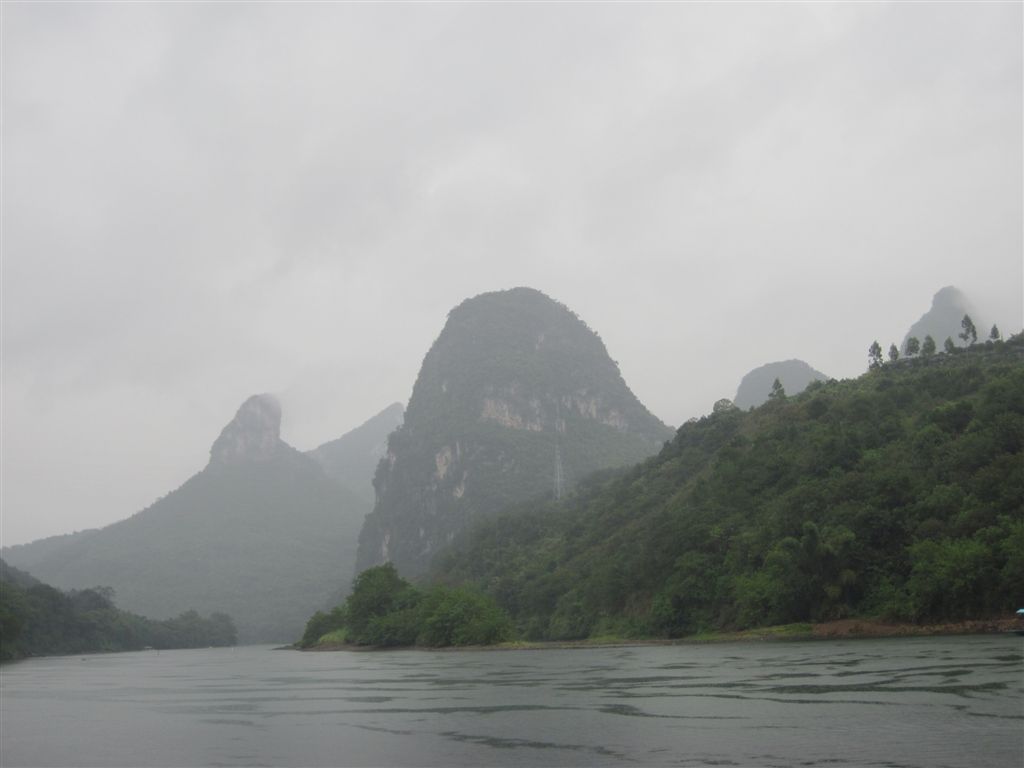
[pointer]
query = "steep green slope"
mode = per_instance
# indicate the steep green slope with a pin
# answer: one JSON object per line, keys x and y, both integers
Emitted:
{"x": 261, "y": 533}
{"x": 517, "y": 397}
{"x": 899, "y": 494}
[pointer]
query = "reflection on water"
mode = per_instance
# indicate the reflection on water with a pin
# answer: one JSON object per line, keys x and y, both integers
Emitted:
{"x": 907, "y": 702}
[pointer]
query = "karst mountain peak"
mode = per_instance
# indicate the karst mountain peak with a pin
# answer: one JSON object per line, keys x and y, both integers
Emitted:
{"x": 516, "y": 398}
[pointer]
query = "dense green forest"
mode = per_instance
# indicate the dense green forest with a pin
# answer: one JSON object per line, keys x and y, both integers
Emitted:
{"x": 38, "y": 620}
{"x": 897, "y": 495}
{"x": 385, "y": 610}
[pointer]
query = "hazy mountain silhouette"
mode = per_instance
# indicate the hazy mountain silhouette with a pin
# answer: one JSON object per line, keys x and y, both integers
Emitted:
{"x": 261, "y": 533}
{"x": 794, "y": 375}
{"x": 943, "y": 319}
{"x": 352, "y": 459}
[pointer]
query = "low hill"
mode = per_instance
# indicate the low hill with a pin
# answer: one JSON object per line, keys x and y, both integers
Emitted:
{"x": 898, "y": 494}
{"x": 262, "y": 533}
{"x": 793, "y": 375}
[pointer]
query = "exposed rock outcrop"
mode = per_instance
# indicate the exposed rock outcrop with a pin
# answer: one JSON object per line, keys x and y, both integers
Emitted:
{"x": 254, "y": 434}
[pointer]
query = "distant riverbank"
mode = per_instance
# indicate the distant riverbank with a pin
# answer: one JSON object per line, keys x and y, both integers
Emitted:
{"x": 829, "y": 630}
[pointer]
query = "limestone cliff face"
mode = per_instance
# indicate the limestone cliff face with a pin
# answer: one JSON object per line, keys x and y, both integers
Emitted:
{"x": 516, "y": 399}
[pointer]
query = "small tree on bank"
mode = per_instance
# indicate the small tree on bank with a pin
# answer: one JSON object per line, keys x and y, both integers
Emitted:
{"x": 928, "y": 346}
{"x": 913, "y": 346}
{"x": 994, "y": 334}
{"x": 894, "y": 354}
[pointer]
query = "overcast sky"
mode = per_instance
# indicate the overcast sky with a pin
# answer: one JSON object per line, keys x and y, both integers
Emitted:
{"x": 206, "y": 201}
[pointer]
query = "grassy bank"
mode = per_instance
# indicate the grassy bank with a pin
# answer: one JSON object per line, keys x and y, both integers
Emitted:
{"x": 831, "y": 630}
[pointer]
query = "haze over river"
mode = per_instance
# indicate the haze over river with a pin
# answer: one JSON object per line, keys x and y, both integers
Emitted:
{"x": 895, "y": 702}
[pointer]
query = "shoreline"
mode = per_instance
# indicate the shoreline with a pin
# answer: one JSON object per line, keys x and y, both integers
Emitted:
{"x": 841, "y": 629}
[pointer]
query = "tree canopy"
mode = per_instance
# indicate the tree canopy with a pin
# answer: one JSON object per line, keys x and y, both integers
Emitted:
{"x": 386, "y": 610}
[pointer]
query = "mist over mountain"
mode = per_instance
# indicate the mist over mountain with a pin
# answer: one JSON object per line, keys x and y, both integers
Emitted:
{"x": 943, "y": 318}
{"x": 516, "y": 398}
{"x": 353, "y": 458}
{"x": 262, "y": 533}
{"x": 794, "y": 375}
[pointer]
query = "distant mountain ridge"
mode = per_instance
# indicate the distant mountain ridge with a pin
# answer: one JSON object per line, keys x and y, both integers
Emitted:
{"x": 517, "y": 397}
{"x": 794, "y": 375}
{"x": 353, "y": 458}
{"x": 262, "y": 533}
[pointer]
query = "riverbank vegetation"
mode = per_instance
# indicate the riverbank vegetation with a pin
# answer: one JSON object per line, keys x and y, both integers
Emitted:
{"x": 385, "y": 610}
{"x": 39, "y": 620}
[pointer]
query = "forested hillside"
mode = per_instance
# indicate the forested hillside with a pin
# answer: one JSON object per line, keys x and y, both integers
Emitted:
{"x": 38, "y": 620}
{"x": 898, "y": 494}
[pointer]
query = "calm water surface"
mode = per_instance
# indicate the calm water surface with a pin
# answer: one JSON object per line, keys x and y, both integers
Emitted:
{"x": 910, "y": 702}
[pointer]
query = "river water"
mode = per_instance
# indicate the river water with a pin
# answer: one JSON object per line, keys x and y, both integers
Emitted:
{"x": 895, "y": 702}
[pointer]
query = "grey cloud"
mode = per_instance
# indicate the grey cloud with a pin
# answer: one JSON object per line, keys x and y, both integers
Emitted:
{"x": 203, "y": 201}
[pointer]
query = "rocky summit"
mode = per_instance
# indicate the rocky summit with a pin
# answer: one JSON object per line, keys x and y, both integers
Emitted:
{"x": 253, "y": 435}
{"x": 516, "y": 399}
{"x": 262, "y": 533}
